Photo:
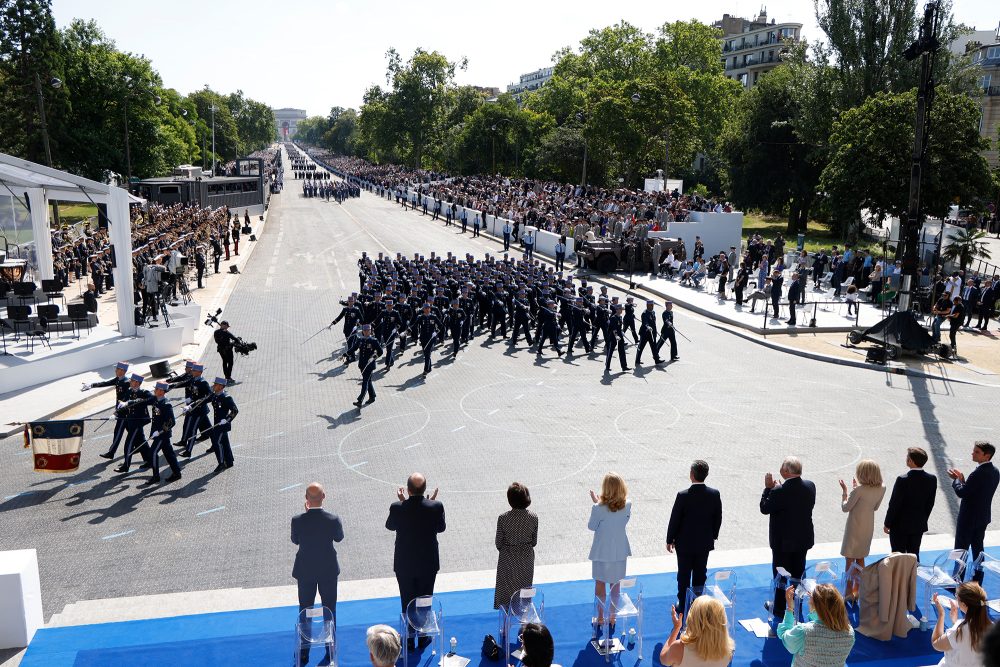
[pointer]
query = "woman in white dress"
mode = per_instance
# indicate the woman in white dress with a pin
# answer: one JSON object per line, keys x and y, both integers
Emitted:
{"x": 962, "y": 642}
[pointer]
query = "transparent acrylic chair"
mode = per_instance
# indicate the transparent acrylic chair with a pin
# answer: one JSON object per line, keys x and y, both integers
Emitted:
{"x": 423, "y": 618}
{"x": 948, "y": 571}
{"x": 783, "y": 579}
{"x": 526, "y": 606}
{"x": 720, "y": 585}
{"x": 624, "y": 603}
{"x": 822, "y": 572}
{"x": 990, "y": 568}
{"x": 315, "y": 627}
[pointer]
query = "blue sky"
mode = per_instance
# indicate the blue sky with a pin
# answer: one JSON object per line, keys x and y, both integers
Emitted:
{"x": 314, "y": 54}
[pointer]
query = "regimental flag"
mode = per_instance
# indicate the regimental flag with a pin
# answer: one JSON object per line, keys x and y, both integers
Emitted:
{"x": 56, "y": 445}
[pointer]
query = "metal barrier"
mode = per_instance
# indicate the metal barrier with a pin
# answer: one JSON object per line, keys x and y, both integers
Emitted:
{"x": 815, "y": 306}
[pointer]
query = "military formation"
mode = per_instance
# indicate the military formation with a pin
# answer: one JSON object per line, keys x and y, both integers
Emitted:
{"x": 446, "y": 302}
{"x": 136, "y": 408}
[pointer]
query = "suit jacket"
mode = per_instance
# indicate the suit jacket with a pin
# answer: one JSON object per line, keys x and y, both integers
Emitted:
{"x": 695, "y": 519}
{"x": 315, "y": 531}
{"x": 911, "y": 502}
{"x": 977, "y": 496}
{"x": 610, "y": 539}
{"x": 790, "y": 507}
{"x": 417, "y": 522}
{"x": 794, "y": 292}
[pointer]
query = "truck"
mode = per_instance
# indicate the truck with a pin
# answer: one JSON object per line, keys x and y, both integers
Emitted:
{"x": 608, "y": 256}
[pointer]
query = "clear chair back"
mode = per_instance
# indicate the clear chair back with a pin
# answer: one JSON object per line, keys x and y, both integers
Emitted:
{"x": 720, "y": 585}
{"x": 624, "y": 603}
{"x": 423, "y": 618}
{"x": 527, "y": 605}
{"x": 315, "y": 627}
{"x": 943, "y": 575}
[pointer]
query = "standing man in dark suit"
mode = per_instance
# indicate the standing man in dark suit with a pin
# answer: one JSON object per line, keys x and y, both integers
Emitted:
{"x": 693, "y": 529}
{"x": 790, "y": 531}
{"x": 316, "y": 567}
{"x": 794, "y": 292}
{"x": 776, "y": 281}
{"x": 416, "y": 521}
{"x": 976, "y": 492}
{"x": 910, "y": 505}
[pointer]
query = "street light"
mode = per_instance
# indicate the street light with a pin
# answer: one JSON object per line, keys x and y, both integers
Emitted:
{"x": 581, "y": 118}
{"x": 128, "y": 151}
{"x": 213, "y": 109}
{"x": 56, "y": 84}
{"x": 666, "y": 145}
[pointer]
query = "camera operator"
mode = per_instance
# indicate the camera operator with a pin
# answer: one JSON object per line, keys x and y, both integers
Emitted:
{"x": 152, "y": 274}
{"x": 224, "y": 342}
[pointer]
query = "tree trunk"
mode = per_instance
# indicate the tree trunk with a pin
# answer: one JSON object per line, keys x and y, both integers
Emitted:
{"x": 793, "y": 218}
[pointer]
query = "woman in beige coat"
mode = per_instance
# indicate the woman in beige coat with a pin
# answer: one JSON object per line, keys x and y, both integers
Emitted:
{"x": 861, "y": 504}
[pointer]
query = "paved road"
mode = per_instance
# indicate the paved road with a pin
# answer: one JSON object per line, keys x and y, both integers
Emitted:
{"x": 473, "y": 426}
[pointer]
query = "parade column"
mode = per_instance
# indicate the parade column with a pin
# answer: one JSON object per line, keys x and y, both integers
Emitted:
{"x": 41, "y": 232}
{"x": 120, "y": 227}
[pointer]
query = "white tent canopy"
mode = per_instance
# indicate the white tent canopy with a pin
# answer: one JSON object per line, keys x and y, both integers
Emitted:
{"x": 37, "y": 185}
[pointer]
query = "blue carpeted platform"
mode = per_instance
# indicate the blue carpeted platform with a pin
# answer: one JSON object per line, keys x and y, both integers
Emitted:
{"x": 265, "y": 636}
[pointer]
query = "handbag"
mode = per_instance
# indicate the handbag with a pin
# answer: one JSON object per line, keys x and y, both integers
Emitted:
{"x": 247, "y": 229}
{"x": 491, "y": 650}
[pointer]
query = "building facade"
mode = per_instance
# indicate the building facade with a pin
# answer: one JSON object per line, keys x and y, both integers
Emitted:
{"x": 287, "y": 122}
{"x": 530, "y": 81}
{"x": 986, "y": 57}
{"x": 752, "y": 47}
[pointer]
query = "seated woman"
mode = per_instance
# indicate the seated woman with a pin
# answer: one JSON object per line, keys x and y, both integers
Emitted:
{"x": 962, "y": 643}
{"x": 705, "y": 642}
{"x": 826, "y": 638}
{"x": 537, "y": 645}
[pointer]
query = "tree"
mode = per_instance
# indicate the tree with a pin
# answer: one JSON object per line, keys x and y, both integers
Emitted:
{"x": 227, "y": 138}
{"x": 342, "y": 137}
{"x": 966, "y": 246}
{"x": 559, "y": 157}
{"x": 255, "y": 125}
{"x": 869, "y": 162}
{"x": 30, "y": 53}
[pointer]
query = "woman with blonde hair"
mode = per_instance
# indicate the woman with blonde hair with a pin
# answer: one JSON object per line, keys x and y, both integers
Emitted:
{"x": 827, "y": 638}
{"x": 962, "y": 643}
{"x": 861, "y": 504}
{"x": 705, "y": 642}
{"x": 610, "y": 549}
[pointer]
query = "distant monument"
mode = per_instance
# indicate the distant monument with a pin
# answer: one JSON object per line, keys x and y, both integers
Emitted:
{"x": 287, "y": 121}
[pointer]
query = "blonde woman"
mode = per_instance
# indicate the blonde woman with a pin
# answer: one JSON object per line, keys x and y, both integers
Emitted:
{"x": 827, "y": 633}
{"x": 610, "y": 550}
{"x": 861, "y": 504}
{"x": 705, "y": 642}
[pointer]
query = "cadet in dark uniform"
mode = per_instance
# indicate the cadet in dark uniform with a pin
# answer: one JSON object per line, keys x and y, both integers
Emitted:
{"x": 389, "y": 324}
{"x": 136, "y": 417}
{"x": 581, "y": 325}
{"x": 647, "y": 334}
{"x": 427, "y": 326}
{"x": 225, "y": 411}
{"x": 121, "y": 385}
{"x": 522, "y": 319}
{"x": 159, "y": 438}
{"x": 224, "y": 344}
{"x": 550, "y": 327}
{"x": 351, "y": 315}
{"x": 667, "y": 330}
{"x": 499, "y": 314}
{"x": 628, "y": 321}
{"x": 601, "y": 313}
{"x": 616, "y": 338}
{"x": 197, "y": 396}
{"x": 369, "y": 350}
{"x": 456, "y": 320}
{"x": 468, "y": 304}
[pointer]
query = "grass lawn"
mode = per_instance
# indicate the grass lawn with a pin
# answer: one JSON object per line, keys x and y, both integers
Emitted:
{"x": 73, "y": 213}
{"x": 817, "y": 236}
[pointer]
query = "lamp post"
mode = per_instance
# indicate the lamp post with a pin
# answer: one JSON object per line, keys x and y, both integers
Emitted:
{"x": 636, "y": 97}
{"x": 128, "y": 150}
{"x": 57, "y": 84}
{"x": 213, "y": 109}
{"x": 581, "y": 118}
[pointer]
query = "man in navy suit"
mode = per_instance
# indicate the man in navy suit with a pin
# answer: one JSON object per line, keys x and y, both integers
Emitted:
{"x": 416, "y": 521}
{"x": 693, "y": 529}
{"x": 316, "y": 566}
{"x": 976, "y": 492}
{"x": 790, "y": 530}
{"x": 910, "y": 505}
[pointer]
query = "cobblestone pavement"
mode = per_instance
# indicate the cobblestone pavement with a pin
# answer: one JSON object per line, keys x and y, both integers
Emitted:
{"x": 474, "y": 425}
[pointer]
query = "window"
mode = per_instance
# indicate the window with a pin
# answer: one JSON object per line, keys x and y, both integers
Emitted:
{"x": 170, "y": 189}
{"x": 984, "y": 81}
{"x": 993, "y": 52}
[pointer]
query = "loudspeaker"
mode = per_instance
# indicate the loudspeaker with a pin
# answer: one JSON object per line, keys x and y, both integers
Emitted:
{"x": 159, "y": 370}
{"x": 876, "y": 355}
{"x": 253, "y": 237}
{"x": 233, "y": 269}
{"x": 102, "y": 216}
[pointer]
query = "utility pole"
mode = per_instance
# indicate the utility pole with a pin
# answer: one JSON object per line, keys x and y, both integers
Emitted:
{"x": 213, "y": 108}
{"x": 128, "y": 152}
{"x": 45, "y": 126}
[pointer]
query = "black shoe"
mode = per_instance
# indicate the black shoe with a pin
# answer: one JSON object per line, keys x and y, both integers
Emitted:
{"x": 107, "y": 455}
{"x": 151, "y": 481}
{"x": 658, "y": 361}
{"x": 121, "y": 469}
{"x": 675, "y": 358}
{"x": 145, "y": 466}
{"x": 369, "y": 401}
{"x": 424, "y": 641}
{"x": 625, "y": 368}
{"x": 768, "y": 605}
{"x": 358, "y": 402}
{"x": 411, "y": 645}
{"x": 174, "y": 478}
{"x": 186, "y": 454}
{"x": 230, "y": 382}
{"x": 638, "y": 362}
{"x": 219, "y": 468}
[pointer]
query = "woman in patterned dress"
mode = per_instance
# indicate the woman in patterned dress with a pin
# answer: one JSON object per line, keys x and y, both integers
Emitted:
{"x": 517, "y": 535}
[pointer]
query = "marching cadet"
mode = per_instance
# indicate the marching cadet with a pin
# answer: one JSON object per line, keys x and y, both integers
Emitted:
{"x": 351, "y": 315}
{"x": 616, "y": 338}
{"x": 369, "y": 350}
{"x": 405, "y": 311}
{"x": 647, "y": 334}
{"x": 600, "y": 314}
{"x": 389, "y": 324}
{"x": 581, "y": 325}
{"x": 522, "y": 319}
{"x": 467, "y": 303}
{"x": 121, "y": 385}
{"x": 225, "y": 411}
{"x": 550, "y": 327}
{"x": 628, "y": 321}
{"x": 667, "y": 330}
{"x": 197, "y": 395}
{"x": 427, "y": 326}
{"x": 455, "y": 321}
{"x": 159, "y": 438}
{"x": 499, "y": 313}
{"x": 136, "y": 417}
